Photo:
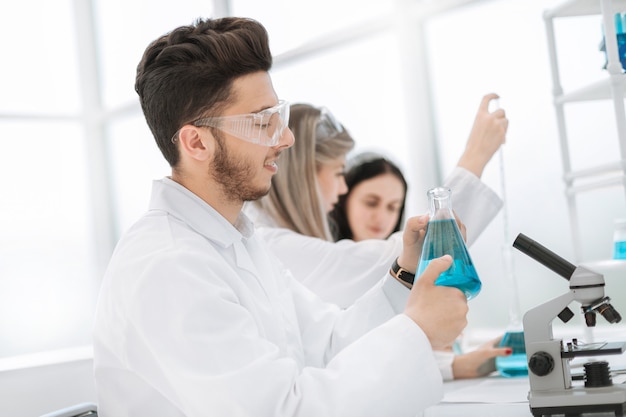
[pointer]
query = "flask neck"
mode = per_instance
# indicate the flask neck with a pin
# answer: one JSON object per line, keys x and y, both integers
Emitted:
{"x": 440, "y": 203}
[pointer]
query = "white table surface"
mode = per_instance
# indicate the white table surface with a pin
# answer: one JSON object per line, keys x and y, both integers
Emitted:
{"x": 496, "y": 396}
{"x": 485, "y": 397}
{"x": 493, "y": 396}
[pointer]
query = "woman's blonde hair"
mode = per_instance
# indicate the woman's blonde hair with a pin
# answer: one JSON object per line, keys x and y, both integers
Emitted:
{"x": 295, "y": 200}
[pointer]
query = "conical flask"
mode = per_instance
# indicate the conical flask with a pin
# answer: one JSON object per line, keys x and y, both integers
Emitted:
{"x": 443, "y": 237}
{"x": 515, "y": 364}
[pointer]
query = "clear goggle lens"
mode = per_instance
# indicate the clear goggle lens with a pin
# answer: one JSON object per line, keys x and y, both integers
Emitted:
{"x": 262, "y": 128}
{"x": 327, "y": 126}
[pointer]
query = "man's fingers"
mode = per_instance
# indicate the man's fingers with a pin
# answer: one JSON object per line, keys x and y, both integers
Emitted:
{"x": 435, "y": 268}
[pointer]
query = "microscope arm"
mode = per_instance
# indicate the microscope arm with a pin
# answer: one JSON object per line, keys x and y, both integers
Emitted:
{"x": 538, "y": 320}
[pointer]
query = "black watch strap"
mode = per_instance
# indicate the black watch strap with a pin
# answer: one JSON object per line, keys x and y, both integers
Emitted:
{"x": 402, "y": 273}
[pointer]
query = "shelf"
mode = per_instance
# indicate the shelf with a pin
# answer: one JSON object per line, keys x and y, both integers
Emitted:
{"x": 600, "y": 90}
{"x": 610, "y": 182}
{"x": 610, "y": 87}
{"x": 580, "y": 8}
{"x": 600, "y": 176}
{"x": 604, "y": 169}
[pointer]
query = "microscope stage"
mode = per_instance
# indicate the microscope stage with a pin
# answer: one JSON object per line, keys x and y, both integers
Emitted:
{"x": 593, "y": 349}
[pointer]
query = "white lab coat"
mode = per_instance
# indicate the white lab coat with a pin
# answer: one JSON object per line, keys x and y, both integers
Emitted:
{"x": 341, "y": 272}
{"x": 197, "y": 318}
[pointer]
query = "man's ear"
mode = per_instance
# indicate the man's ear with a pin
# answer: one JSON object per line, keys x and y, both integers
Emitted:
{"x": 196, "y": 143}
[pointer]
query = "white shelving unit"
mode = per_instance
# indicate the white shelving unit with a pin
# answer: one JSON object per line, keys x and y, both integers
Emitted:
{"x": 612, "y": 88}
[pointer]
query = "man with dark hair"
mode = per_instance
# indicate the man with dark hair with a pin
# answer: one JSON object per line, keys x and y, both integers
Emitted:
{"x": 196, "y": 317}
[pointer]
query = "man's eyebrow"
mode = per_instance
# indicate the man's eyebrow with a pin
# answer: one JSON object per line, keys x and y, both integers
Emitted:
{"x": 263, "y": 108}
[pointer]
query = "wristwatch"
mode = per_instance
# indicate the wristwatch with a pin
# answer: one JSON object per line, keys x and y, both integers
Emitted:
{"x": 402, "y": 274}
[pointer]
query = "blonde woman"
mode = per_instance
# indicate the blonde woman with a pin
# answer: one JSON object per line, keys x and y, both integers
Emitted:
{"x": 311, "y": 175}
{"x": 293, "y": 217}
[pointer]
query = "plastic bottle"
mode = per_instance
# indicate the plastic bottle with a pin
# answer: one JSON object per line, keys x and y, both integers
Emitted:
{"x": 619, "y": 239}
{"x": 444, "y": 237}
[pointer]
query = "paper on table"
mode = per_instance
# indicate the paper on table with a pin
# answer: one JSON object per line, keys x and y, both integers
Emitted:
{"x": 493, "y": 391}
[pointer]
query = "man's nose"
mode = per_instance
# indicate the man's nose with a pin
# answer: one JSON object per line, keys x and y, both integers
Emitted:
{"x": 286, "y": 139}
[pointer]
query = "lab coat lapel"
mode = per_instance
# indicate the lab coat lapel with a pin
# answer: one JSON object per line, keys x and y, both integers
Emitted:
{"x": 245, "y": 262}
{"x": 283, "y": 329}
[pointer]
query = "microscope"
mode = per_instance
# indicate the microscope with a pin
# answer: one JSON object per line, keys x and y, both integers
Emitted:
{"x": 551, "y": 388}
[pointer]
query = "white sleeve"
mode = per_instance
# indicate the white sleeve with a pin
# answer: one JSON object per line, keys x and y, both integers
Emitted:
{"x": 370, "y": 362}
{"x": 444, "y": 362}
{"x": 339, "y": 272}
{"x": 473, "y": 201}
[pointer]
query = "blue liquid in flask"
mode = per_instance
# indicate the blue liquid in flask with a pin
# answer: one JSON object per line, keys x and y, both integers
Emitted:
{"x": 515, "y": 364}
{"x": 443, "y": 237}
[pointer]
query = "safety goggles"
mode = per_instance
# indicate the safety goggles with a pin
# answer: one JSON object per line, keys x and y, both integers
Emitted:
{"x": 263, "y": 128}
{"x": 327, "y": 126}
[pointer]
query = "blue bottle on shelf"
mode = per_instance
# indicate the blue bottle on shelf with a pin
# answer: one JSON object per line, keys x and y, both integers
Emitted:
{"x": 619, "y": 239}
{"x": 444, "y": 237}
{"x": 619, "y": 20}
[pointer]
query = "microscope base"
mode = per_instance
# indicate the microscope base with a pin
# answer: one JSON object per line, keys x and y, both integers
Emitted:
{"x": 577, "y": 410}
{"x": 576, "y": 401}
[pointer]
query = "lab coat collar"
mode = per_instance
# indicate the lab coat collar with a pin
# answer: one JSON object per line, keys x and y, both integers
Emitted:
{"x": 178, "y": 201}
{"x": 257, "y": 215}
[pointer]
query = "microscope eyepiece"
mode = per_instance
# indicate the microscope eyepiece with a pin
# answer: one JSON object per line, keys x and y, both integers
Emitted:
{"x": 544, "y": 256}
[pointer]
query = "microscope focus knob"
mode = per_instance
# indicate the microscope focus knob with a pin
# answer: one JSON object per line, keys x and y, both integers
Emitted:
{"x": 541, "y": 363}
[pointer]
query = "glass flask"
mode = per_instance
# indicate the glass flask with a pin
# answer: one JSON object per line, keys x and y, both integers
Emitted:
{"x": 516, "y": 363}
{"x": 444, "y": 237}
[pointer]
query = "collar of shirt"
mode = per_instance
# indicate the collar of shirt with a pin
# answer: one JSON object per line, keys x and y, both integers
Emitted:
{"x": 178, "y": 201}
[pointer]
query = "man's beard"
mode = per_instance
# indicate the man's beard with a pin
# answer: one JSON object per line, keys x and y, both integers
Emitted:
{"x": 235, "y": 176}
